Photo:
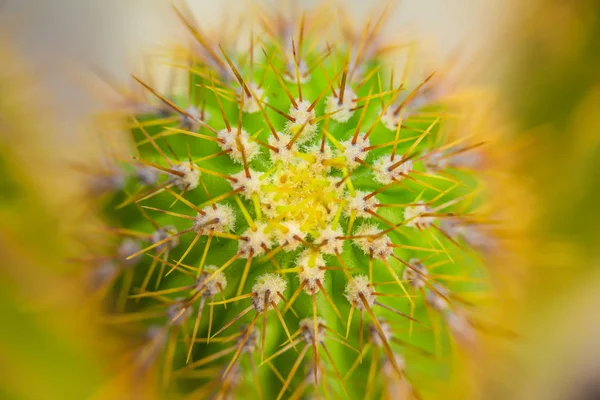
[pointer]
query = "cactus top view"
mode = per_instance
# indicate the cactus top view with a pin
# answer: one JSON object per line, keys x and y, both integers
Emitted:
{"x": 298, "y": 219}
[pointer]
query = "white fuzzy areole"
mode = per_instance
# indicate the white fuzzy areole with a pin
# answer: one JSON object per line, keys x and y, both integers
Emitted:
{"x": 269, "y": 205}
{"x": 102, "y": 274}
{"x": 416, "y": 219}
{"x": 328, "y": 241}
{"x": 221, "y": 218}
{"x": 307, "y": 329}
{"x": 250, "y": 102}
{"x": 249, "y": 186}
{"x": 356, "y": 286}
{"x": 387, "y": 333}
{"x": 437, "y": 302}
{"x": 383, "y": 164}
{"x": 283, "y": 154}
{"x": 147, "y": 175}
{"x": 271, "y": 283}
{"x": 473, "y": 159}
{"x": 359, "y": 205}
{"x": 303, "y": 71}
{"x": 217, "y": 283}
{"x": 341, "y": 112}
{"x": 301, "y": 116}
{"x": 161, "y": 234}
{"x": 311, "y": 273}
{"x": 435, "y": 161}
{"x": 107, "y": 182}
{"x": 127, "y": 247}
{"x": 190, "y": 122}
{"x": 190, "y": 178}
{"x": 462, "y": 330}
{"x": 477, "y": 236}
{"x": 355, "y": 151}
{"x": 378, "y": 245}
{"x": 391, "y": 121}
{"x": 389, "y": 371}
{"x": 235, "y": 143}
{"x": 320, "y": 156}
{"x": 415, "y": 279}
{"x": 288, "y": 239}
{"x": 255, "y": 241}
{"x": 251, "y": 343}
{"x": 175, "y": 315}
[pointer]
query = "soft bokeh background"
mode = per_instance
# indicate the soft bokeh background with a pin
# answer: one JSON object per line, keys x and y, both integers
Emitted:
{"x": 61, "y": 36}
{"x": 551, "y": 88}
{"x": 542, "y": 56}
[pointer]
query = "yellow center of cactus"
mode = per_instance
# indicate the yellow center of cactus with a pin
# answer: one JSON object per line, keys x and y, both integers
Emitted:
{"x": 301, "y": 194}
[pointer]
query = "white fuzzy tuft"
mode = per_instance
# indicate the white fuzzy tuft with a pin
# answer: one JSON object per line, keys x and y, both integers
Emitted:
{"x": 288, "y": 239}
{"x": 387, "y": 333}
{"x": 357, "y": 286}
{"x": 255, "y": 241}
{"x": 163, "y": 233}
{"x": 250, "y": 185}
{"x": 290, "y": 71}
{"x": 221, "y": 218}
{"x": 301, "y": 116}
{"x": 389, "y": 371}
{"x": 356, "y": 151}
{"x": 384, "y": 176}
{"x": 128, "y": 247}
{"x": 373, "y": 241}
{"x": 391, "y": 121}
{"x": 283, "y": 154}
{"x": 251, "y": 343}
{"x": 266, "y": 290}
{"x": 102, "y": 274}
{"x": 268, "y": 204}
{"x": 107, "y": 182}
{"x": 190, "y": 122}
{"x": 344, "y": 111}
{"x": 236, "y": 143}
{"x": 359, "y": 205}
{"x": 475, "y": 235}
{"x": 415, "y": 279}
{"x": 437, "y": 298}
{"x": 307, "y": 330}
{"x": 217, "y": 283}
{"x": 328, "y": 242}
{"x": 414, "y": 216}
{"x": 190, "y": 178}
{"x": 435, "y": 161}
{"x": 320, "y": 156}
{"x": 146, "y": 175}
{"x": 462, "y": 330}
{"x": 311, "y": 263}
{"x": 175, "y": 315}
{"x": 250, "y": 102}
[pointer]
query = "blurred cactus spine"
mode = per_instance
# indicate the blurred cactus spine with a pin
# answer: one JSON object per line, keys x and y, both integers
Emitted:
{"x": 297, "y": 216}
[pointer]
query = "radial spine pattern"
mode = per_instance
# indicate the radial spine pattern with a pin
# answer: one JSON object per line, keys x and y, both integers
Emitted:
{"x": 295, "y": 215}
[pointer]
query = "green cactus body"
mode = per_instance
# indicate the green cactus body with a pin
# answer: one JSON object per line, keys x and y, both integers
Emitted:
{"x": 297, "y": 224}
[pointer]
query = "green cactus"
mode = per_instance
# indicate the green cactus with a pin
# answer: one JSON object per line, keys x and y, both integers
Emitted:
{"x": 297, "y": 222}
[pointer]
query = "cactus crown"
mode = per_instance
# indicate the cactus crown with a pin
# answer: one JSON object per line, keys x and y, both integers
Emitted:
{"x": 298, "y": 187}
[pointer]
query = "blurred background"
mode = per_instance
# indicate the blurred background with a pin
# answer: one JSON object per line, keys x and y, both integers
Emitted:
{"x": 62, "y": 36}
{"x": 542, "y": 57}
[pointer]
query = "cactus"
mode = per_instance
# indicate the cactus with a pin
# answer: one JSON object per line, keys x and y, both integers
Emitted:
{"x": 296, "y": 217}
